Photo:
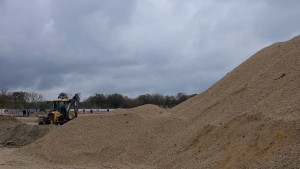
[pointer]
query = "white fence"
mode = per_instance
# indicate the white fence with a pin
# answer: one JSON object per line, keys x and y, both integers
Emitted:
{"x": 93, "y": 110}
{"x": 16, "y": 111}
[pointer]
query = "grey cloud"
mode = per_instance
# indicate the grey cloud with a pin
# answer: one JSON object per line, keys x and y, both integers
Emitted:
{"x": 279, "y": 22}
{"x": 133, "y": 47}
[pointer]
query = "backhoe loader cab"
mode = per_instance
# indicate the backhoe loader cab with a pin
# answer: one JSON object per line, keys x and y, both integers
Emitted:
{"x": 60, "y": 113}
{"x": 58, "y": 104}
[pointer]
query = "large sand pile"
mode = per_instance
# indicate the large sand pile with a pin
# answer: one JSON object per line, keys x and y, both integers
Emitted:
{"x": 249, "y": 119}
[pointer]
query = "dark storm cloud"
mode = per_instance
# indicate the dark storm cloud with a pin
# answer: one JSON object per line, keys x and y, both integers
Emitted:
{"x": 134, "y": 46}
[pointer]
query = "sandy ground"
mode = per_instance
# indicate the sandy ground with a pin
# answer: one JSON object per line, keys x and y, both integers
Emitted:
{"x": 33, "y": 119}
{"x": 28, "y": 120}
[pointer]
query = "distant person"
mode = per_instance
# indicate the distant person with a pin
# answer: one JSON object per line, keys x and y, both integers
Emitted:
{"x": 28, "y": 113}
{"x": 91, "y": 111}
{"x": 24, "y": 113}
{"x": 83, "y": 110}
{"x": 107, "y": 110}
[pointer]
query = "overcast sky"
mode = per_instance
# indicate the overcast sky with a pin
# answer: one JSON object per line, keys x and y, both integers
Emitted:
{"x": 134, "y": 47}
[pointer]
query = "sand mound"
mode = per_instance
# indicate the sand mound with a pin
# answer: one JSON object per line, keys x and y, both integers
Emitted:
{"x": 249, "y": 119}
{"x": 130, "y": 136}
{"x": 7, "y": 122}
{"x": 24, "y": 134}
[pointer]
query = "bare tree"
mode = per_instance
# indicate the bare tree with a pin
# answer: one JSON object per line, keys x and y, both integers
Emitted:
{"x": 33, "y": 97}
{"x": 4, "y": 92}
{"x": 6, "y": 99}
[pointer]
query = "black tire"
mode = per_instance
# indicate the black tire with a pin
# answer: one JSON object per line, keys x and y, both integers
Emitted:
{"x": 51, "y": 118}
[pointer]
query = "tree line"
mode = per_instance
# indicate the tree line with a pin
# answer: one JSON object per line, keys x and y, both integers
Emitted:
{"x": 119, "y": 101}
{"x": 29, "y": 100}
{"x": 21, "y": 100}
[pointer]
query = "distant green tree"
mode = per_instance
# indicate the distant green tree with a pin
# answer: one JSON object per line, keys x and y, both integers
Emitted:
{"x": 181, "y": 97}
{"x": 130, "y": 103}
{"x": 99, "y": 100}
{"x": 63, "y": 96}
{"x": 19, "y": 100}
{"x": 159, "y": 100}
{"x": 145, "y": 99}
{"x": 115, "y": 100}
{"x": 171, "y": 101}
{"x": 120, "y": 101}
{"x": 43, "y": 105}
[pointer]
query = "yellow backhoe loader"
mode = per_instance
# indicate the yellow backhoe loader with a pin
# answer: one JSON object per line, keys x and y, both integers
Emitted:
{"x": 61, "y": 113}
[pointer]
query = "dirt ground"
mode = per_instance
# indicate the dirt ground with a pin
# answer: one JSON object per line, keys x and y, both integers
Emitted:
{"x": 24, "y": 134}
{"x": 7, "y": 122}
{"x": 248, "y": 119}
{"x": 33, "y": 119}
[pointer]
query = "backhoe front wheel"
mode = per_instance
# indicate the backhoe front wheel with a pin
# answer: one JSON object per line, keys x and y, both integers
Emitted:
{"x": 51, "y": 118}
